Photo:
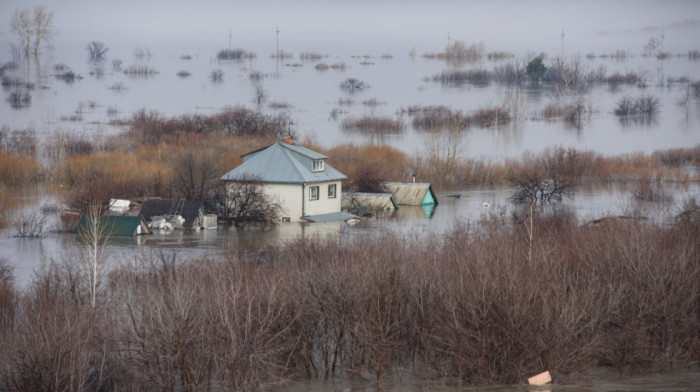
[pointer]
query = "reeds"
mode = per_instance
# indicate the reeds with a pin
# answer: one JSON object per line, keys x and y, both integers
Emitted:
{"x": 374, "y": 125}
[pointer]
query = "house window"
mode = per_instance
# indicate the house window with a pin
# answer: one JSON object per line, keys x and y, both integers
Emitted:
{"x": 317, "y": 165}
{"x": 313, "y": 193}
{"x": 331, "y": 191}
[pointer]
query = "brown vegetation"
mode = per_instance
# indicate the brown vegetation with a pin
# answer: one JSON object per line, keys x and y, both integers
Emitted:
{"x": 466, "y": 307}
{"x": 374, "y": 125}
{"x": 367, "y": 166}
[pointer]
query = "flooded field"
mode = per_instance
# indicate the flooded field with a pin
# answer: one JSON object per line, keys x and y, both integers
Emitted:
{"x": 322, "y": 66}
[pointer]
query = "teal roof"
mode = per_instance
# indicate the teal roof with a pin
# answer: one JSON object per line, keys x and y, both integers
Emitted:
{"x": 283, "y": 163}
{"x": 117, "y": 225}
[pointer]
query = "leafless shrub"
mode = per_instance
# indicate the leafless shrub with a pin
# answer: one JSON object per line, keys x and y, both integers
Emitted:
{"x": 244, "y": 203}
{"x": 645, "y": 105}
{"x": 279, "y": 105}
{"x": 651, "y": 191}
{"x": 338, "y": 66}
{"x": 96, "y": 51}
{"x": 373, "y": 125}
{"x": 438, "y": 117}
{"x": 282, "y": 55}
{"x": 459, "y": 52}
{"x": 186, "y": 57}
{"x": 7, "y": 296}
{"x": 322, "y": 67}
{"x": 16, "y": 82}
{"x": 616, "y": 79}
{"x": 217, "y": 76}
{"x": 29, "y": 225}
{"x": 140, "y": 70}
{"x": 512, "y": 73}
{"x": 234, "y": 54}
{"x": 310, "y": 56}
{"x": 477, "y": 77}
{"x": 352, "y": 85}
{"x": 21, "y": 142}
{"x": 142, "y": 53}
{"x": 118, "y": 86}
{"x": 499, "y": 55}
{"x": 679, "y": 157}
{"x": 183, "y": 74}
{"x": 491, "y": 116}
{"x": 19, "y": 99}
{"x": 568, "y": 76}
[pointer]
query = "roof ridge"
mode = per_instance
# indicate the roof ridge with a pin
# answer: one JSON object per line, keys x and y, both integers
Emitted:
{"x": 295, "y": 162}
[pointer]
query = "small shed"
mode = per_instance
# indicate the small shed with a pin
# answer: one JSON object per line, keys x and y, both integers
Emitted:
{"x": 412, "y": 194}
{"x": 191, "y": 211}
{"x": 117, "y": 225}
{"x": 353, "y": 201}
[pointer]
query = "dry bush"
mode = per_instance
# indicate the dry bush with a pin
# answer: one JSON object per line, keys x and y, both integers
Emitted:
{"x": 55, "y": 343}
{"x": 651, "y": 191}
{"x": 465, "y": 306}
{"x": 7, "y": 296}
{"x": 367, "y": 166}
{"x": 431, "y": 118}
{"x": 646, "y": 105}
{"x": 679, "y": 157}
{"x": 234, "y": 54}
{"x": 29, "y": 225}
{"x": 617, "y": 79}
{"x": 17, "y": 170}
{"x": 477, "y": 77}
{"x": 491, "y": 116}
{"x": 374, "y": 125}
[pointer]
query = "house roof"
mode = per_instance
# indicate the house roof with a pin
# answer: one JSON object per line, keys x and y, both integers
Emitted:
{"x": 283, "y": 163}
{"x": 155, "y": 207}
{"x": 377, "y": 201}
{"x": 117, "y": 225}
{"x": 414, "y": 194}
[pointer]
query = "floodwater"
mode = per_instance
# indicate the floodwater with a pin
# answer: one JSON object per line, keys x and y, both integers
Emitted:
{"x": 454, "y": 209}
{"x": 382, "y": 44}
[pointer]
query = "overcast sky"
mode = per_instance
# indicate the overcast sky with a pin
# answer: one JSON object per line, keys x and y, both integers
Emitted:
{"x": 500, "y": 25}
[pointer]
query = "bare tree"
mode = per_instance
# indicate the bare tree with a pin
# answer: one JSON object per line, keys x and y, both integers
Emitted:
{"x": 244, "y": 202}
{"x": 196, "y": 173}
{"x": 34, "y": 28}
{"x": 94, "y": 235}
{"x": 96, "y": 51}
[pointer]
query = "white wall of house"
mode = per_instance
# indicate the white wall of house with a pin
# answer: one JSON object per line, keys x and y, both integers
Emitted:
{"x": 324, "y": 204}
{"x": 295, "y": 202}
{"x": 289, "y": 196}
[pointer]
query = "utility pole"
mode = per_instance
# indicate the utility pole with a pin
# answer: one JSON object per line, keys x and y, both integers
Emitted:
{"x": 277, "y": 51}
{"x": 562, "y": 44}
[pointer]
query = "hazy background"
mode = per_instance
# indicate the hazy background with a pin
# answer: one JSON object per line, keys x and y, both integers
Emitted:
{"x": 348, "y": 26}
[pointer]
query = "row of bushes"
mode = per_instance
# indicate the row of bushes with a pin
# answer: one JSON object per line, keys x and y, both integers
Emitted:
{"x": 466, "y": 306}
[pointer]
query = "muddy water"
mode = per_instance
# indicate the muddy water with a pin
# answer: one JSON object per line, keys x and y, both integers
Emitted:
{"x": 455, "y": 208}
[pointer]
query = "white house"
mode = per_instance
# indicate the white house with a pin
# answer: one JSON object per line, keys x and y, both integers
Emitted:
{"x": 307, "y": 188}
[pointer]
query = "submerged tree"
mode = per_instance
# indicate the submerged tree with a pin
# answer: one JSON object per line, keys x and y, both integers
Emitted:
{"x": 96, "y": 51}
{"x": 244, "y": 202}
{"x": 34, "y": 28}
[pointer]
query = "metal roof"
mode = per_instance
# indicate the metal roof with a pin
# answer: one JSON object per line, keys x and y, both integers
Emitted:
{"x": 413, "y": 194}
{"x": 376, "y": 201}
{"x": 116, "y": 225}
{"x": 283, "y": 163}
